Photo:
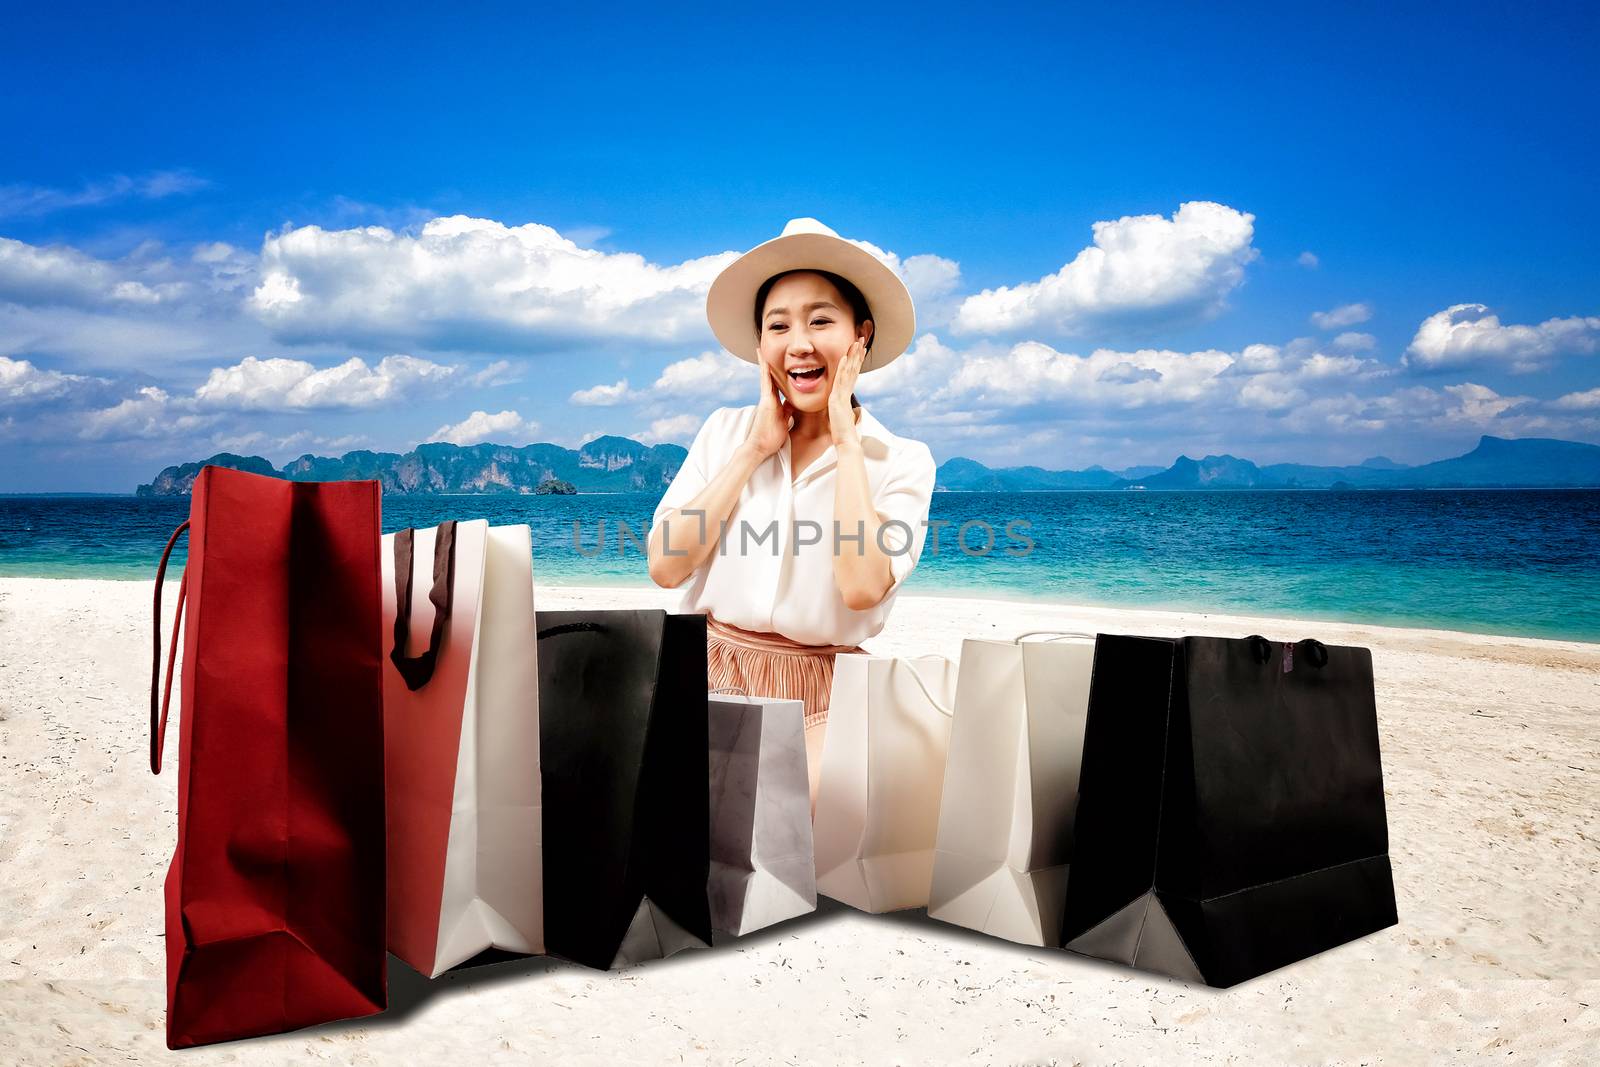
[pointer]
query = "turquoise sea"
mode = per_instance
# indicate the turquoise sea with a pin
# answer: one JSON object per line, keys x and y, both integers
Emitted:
{"x": 1521, "y": 562}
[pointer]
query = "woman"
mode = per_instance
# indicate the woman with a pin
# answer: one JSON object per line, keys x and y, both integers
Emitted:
{"x": 794, "y": 520}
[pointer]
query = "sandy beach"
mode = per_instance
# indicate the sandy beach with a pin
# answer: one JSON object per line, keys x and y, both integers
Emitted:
{"x": 1491, "y": 750}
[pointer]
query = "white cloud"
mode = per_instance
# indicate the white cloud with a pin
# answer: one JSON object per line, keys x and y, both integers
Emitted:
{"x": 41, "y": 200}
{"x": 501, "y": 428}
{"x": 1588, "y": 400}
{"x": 1140, "y": 265}
{"x": 1278, "y": 380}
{"x": 1033, "y": 373}
{"x": 709, "y": 376}
{"x": 279, "y": 384}
{"x": 1292, "y": 401}
{"x": 71, "y": 406}
{"x": 21, "y": 381}
{"x": 306, "y": 439}
{"x": 927, "y": 363}
{"x": 1270, "y": 392}
{"x": 1308, "y": 260}
{"x": 1454, "y": 408}
{"x": 226, "y": 269}
{"x": 185, "y": 335}
{"x": 152, "y": 303}
{"x": 674, "y": 429}
{"x": 213, "y": 252}
{"x": 1478, "y": 405}
{"x": 232, "y": 408}
{"x": 1319, "y": 365}
{"x": 472, "y": 283}
{"x": 1259, "y": 359}
{"x": 1468, "y": 334}
{"x": 588, "y": 235}
{"x": 1340, "y": 317}
{"x": 35, "y": 275}
{"x": 149, "y": 413}
{"x": 498, "y": 373}
{"x": 99, "y": 409}
{"x": 929, "y": 276}
{"x": 603, "y": 396}
{"x": 241, "y": 442}
{"x": 932, "y": 281}
{"x": 1033, "y": 379}
{"x": 1355, "y": 342}
{"x": 291, "y": 445}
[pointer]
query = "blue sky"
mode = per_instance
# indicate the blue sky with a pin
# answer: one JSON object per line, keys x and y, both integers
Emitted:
{"x": 317, "y": 229}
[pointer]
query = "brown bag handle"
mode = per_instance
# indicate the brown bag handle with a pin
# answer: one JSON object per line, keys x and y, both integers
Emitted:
{"x": 416, "y": 670}
{"x": 158, "y": 709}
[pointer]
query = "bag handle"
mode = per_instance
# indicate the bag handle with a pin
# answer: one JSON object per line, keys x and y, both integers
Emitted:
{"x": 731, "y": 689}
{"x": 923, "y": 685}
{"x": 416, "y": 670}
{"x": 158, "y": 709}
{"x": 1059, "y": 634}
{"x": 1314, "y": 651}
{"x": 570, "y": 628}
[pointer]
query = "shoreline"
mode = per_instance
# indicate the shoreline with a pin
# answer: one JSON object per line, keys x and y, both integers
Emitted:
{"x": 993, "y": 492}
{"x": 1229, "y": 617}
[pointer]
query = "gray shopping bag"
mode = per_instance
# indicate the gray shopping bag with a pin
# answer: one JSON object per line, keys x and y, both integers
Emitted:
{"x": 762, "y": 866}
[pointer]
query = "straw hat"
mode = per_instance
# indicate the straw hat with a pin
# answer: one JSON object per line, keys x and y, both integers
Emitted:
{"x": 807, "y": 244}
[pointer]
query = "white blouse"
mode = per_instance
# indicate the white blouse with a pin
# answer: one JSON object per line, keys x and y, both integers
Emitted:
{"x": 772, "y": 570}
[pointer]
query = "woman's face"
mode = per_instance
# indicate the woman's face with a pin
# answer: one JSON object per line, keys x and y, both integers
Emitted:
{"x": 806, "y": 329}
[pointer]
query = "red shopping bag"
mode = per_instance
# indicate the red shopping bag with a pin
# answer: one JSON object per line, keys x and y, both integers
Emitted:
{"x": 275, "y": 896}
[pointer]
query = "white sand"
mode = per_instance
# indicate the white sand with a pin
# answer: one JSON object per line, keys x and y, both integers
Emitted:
{"x": 1491, "y": 751}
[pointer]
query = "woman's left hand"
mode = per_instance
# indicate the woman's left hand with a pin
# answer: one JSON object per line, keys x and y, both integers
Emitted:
{"x": 841, "y": 416}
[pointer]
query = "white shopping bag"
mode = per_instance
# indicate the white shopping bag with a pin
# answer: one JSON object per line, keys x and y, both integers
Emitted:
{"x": 882, "y": 772}
{"x": 461, "y": 748}
{"x": 762, "y": 865}
{"x": 1011, "y": 786}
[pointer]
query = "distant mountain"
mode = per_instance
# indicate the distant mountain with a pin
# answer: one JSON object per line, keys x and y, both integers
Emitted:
{"x": 1212, "y": 472}
{"x": 970, "y": 476}
{"x": 604, "y": 465}
{"x": 1304, "y": 476}
{"x": 1527, "y": 461}
{"x": 622, "y": 465}
{"x": 962, "y": 475}
{"x": 176, "y": 481}
{"x": 1496, "y": 463}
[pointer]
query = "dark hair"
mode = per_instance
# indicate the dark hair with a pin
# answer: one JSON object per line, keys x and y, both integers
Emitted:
{"x": 847, "y": 289}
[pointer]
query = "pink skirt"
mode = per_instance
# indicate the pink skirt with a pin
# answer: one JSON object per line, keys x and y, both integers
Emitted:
{"x": 771, "y": 665}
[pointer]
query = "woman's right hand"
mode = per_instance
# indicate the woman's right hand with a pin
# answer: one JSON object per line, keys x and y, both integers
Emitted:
{"x": 773, "y": 419}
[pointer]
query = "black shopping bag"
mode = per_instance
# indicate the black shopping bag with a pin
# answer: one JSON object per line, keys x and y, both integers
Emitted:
{"x": 623, "y": 745}
{"x": 1230, "y": 816}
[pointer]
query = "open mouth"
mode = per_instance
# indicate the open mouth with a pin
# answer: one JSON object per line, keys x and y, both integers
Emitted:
{"x": 807, "y": 374}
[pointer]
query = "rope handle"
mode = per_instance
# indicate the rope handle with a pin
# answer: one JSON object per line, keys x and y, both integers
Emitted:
{"x": 923, "y": 685}
{"x": 739, "y": 689}
{"x": 1059, "y": 634}
{"x": 158, "y": 708}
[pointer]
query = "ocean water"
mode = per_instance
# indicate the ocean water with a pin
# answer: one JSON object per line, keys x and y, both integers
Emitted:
{"x": 1523, "y": 562}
